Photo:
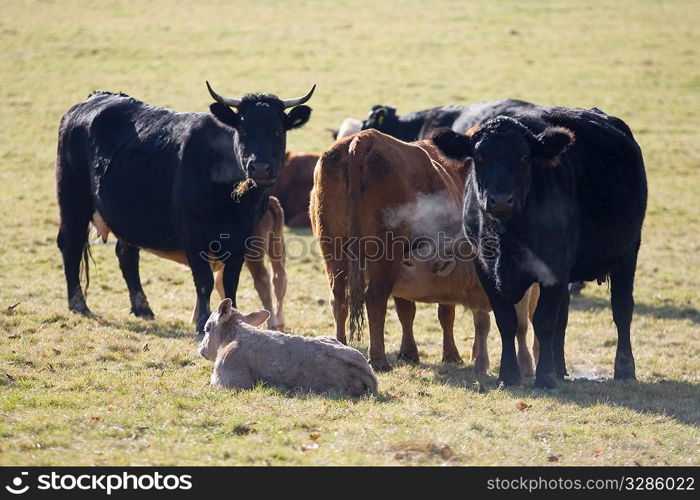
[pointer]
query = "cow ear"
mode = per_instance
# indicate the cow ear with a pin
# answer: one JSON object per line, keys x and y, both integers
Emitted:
{"x": 552, "y": 143}
{"x": 224, "y": 114}
{"x": 298, "y": 116}
{"x": 225, "y": 307}
{"x": 256, "y": 318}
{"x": 453, "y": 145}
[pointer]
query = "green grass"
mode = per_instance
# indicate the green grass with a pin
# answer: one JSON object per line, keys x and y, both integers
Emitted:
{"x": 78, "y": 391}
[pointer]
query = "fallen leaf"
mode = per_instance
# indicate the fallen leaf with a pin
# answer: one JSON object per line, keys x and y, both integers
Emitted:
{"x": 309, "y": 447}
{"x": 523, "y": 406}
{"x": 597, "y": 453}
{"x": 96, "y": 419}
{"x": 56, "y": 351}
{"x": 15, "y": 336}
{"x": 89, "y": 347}
{"x": 552, "y": 458}
{"x": 30, "y": 364}
{"x": 50, "y": 367}
{"x": 314, "y": 436}
{"x": 145, "y": 347}
{"x": 10, "y": 377}
{"x": 10, "y": 308}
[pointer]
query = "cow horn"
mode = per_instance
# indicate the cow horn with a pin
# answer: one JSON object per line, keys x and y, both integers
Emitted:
{"x": 224, "y": 100}
{"x": 290, "y": 103}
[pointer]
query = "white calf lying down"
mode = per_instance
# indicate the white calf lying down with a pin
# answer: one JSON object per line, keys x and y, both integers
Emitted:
{"x": 244, "y": 355}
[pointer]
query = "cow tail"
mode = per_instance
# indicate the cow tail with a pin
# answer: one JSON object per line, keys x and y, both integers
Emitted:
{"x": 356, "y": 280}
{"x": 87, "y": 257}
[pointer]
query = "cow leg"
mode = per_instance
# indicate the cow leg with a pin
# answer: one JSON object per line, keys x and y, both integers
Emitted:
{"x": 534, "y": 297}
{"x": 562, "y": 321}
{"x": 446, "y": 316}
{"x": 203, "y": 283}
{"x": 278, "y": 258}
{"x": 406, "y": 311}
{"x": 480, "y": 350}
{"x": 261, "y": 281}
{"x": 76, "y": 211}
{"x": 622, "y": 299}
{"x": 524, "y": 357}
{"x": 128, "y": 256}
{"x": 232, "y": 274}
{"x": 546, "y": 325}
{"x": 507, "y": 322}
{"x": 376, "y": 299}
{"x": 338, "y": 277}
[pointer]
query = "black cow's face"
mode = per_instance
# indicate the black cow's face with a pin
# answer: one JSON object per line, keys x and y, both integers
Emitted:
{"x": 261, "y": 124}
{"x": 504, "y": 152}
{"x": 380, "y": 117}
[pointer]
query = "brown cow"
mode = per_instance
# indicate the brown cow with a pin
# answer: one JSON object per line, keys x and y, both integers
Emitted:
{"x": 270, "y": 230}
{"x": 293, "y": 185}
{"x": 378, "y": 189}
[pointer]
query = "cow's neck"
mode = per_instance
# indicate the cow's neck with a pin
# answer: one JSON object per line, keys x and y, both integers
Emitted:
{"x": 409, "y": 126}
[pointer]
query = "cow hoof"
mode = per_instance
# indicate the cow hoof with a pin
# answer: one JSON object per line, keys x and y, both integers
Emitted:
{"x": 381, "y": 365}
{"x": 83, "y": 311}
{"x": 409, "y": 357}
{"x": 143, "y": 313}
{"x": 624, "y": 367}
{"x": 625, "y": 375}
{"x": 547, "y": 382}
{"x": 452, "y": 358}
{"x": 481, "y": 364}
{"x": 527, "y": 371}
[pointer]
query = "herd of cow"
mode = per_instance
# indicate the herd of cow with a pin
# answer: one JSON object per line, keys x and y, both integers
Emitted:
{"x": 496, "y": 206}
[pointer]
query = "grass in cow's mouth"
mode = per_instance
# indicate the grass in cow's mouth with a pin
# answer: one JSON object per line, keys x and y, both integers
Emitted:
{"x": 121, "y": 390}
{"x": 242, "y": 188}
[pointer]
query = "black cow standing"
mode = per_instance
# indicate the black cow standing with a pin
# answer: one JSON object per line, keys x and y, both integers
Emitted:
{"x": 555, "y": 195}
{"x": 164, "y": 181}
{"x": 421, "y": 124}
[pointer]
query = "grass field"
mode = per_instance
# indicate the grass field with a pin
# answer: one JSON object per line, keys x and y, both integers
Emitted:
{"x": 119, "y": 390}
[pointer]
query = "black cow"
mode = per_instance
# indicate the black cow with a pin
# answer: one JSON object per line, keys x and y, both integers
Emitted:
{"x": 421, "y": 124}
{"x": 555, "y": 195}
{"x": 168, "y": 181}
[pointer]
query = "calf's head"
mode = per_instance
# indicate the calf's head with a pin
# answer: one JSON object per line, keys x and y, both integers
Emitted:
{"x": 504, "y": 152}
{"x": 261, "y": 124}
{"x": 223, "y": 325}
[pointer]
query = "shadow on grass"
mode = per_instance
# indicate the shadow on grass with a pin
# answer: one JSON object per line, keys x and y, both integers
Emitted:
{"x": 583, "y": 303}
{"x": 171, "y": 329}
{"x": 674, "y": 399}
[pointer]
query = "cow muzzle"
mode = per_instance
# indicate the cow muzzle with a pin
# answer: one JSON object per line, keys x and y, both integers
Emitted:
{"x": 260, "y": 173}
{"x": 500, "y": 205}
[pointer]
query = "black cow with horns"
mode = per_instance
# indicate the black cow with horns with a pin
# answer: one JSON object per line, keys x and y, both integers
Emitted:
{"x": 169, "y": 182}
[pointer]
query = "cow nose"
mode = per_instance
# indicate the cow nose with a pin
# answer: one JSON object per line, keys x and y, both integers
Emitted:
{"x": 500, "y": 204}
{"x": 260, "y": 171}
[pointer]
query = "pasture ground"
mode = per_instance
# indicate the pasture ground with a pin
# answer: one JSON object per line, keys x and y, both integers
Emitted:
{"x": 119, "y": 390}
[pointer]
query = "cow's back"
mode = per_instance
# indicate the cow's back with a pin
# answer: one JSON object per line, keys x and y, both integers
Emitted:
{"x": 130, "y": 152}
